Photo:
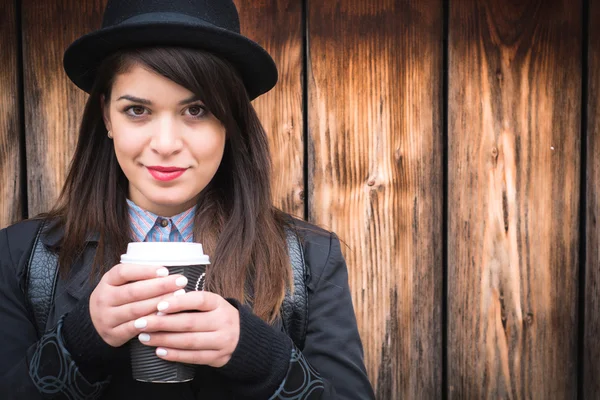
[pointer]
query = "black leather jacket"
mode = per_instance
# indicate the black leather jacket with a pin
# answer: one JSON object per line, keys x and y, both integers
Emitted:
{"x": 330, "y": 365}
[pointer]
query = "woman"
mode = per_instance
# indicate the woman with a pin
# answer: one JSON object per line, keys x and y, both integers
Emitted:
{"x": 171, "y": 149}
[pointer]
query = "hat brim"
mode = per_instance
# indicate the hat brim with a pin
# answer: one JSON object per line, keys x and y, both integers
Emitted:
{"x": 256, "y": 67}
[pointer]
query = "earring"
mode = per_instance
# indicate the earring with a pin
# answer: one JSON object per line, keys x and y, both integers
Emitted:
{"x": 109, "y": 135}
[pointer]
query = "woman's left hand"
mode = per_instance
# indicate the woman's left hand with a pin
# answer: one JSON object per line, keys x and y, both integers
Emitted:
{"x": 208, "y": 337}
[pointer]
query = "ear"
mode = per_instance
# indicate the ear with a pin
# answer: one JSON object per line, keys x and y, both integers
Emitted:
{"x": 105, "y": 113}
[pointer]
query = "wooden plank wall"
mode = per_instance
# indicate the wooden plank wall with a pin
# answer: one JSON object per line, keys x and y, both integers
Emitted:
{"x": 280, "y": 110}
{"x": 443, "y": 158}
{"x": 591, "y": 345}
{"x": 10, "y": 111}
{"x": 375, "y": 140}
{"x": 514, "y": 171}
{"x": 54, "y": 105}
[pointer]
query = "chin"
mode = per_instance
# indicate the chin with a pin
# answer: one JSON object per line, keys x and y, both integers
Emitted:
{"x": 169, "y": 199}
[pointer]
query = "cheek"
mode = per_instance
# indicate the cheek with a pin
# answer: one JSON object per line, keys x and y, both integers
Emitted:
{"x": 209, "y": 148}
{"x": 127, "y": 153}
{"x": 126, "y": 147}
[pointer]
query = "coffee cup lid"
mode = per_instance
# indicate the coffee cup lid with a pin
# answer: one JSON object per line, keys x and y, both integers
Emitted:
{"x": 165, "y": 253}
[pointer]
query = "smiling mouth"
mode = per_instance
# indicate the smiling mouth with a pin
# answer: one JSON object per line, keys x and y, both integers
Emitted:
{"x": 165, "y": 174}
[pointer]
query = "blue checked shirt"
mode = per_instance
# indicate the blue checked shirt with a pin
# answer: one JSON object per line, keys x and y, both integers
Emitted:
{"x": 148, "y": 227}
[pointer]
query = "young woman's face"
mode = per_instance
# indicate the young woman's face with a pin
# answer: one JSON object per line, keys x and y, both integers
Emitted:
{"x": 167, "y": 144}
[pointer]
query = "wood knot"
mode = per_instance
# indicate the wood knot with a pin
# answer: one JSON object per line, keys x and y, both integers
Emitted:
{"x": 398, "y": 155}
{"x": 529, "y": 319}
{"x": 301, "y": 195}
{"x": 371, "y": 182}
{"x": 494, "y": 159}
{"x": 288, "y": 128}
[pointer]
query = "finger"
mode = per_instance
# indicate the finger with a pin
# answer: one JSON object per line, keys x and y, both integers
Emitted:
{"x": 187, "y": 340}
{"x": 182, "y": 322}
{"x": 147, "y": 289}
{"x": 121, "y": 274}
{"x": 212, "y": 358}
{"x": 193, "y": 301}
{"x": 132, "y": 311}
{"x": 121, "y": 334}
{"x": 130, "y": 329}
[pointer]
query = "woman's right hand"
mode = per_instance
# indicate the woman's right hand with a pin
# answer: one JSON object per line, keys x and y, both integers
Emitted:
{"x": 128, "y": 292}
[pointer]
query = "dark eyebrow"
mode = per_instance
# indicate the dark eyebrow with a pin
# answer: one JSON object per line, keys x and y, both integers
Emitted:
{"x": 134, "y": 99}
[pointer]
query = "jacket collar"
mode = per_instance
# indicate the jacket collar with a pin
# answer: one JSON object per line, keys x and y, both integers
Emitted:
{"x": 54, "y": 232}
{"x": 77, "y": 284}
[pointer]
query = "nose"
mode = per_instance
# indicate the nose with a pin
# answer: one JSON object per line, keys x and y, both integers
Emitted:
{"x": 165, "y": 139}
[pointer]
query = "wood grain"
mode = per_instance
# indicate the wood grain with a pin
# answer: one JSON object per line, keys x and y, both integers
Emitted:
{"x": 591, "y": 353}
{"x": 514, "y": 181}
{"x": 54, "y": 105}
{"x": 375, "y": 176}
{"x": 277, "y": 26}
{"x": 10, "y": 129}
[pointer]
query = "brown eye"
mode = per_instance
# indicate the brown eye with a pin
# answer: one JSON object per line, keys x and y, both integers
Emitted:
{"x": 197, "y": 111}
{"x": 137, "y": 110}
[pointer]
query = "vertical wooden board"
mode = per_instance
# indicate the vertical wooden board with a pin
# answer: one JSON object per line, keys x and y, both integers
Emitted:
{"x": 375, "y": 175}
{"x": 591, "y": 353}
{"x": 10, "y": 152}
{"x": 277, "y": 26}
{"x": 514, "y": 181}
{"x": 53, "y": 105}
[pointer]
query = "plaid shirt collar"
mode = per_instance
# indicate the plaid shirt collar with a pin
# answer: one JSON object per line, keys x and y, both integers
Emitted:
{"x": 149, "y": 227}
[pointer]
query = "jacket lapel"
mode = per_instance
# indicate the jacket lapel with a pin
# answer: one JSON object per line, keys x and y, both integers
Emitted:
{"x": 78, "y": 284}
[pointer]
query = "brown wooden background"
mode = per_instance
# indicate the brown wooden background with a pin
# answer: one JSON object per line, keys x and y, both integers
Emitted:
{"x": 453, "y": 145}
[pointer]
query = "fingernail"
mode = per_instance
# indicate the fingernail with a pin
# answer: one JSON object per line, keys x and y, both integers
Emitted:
{"x": 162, "y": 272}
{"x": 179, "y": 292}
{"x": 162, "y": 306}
{"x": 181, "y": 281}
{"x": 161, "y": 352}
{"x": 140, "y": 323}
{"x": 160, "y": 313}
{"x": 144, "y": 337}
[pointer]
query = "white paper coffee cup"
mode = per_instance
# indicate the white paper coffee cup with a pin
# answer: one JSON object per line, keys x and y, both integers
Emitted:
{"x": 165, "y": 253}
{"x": 187, "y": 259}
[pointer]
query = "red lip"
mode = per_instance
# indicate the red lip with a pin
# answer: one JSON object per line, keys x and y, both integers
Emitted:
{"x": 160, "y": 168}
{"x": 165, "y": 173}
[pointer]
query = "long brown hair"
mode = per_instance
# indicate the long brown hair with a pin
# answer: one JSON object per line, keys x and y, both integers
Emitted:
{"x": 235, "y": 220}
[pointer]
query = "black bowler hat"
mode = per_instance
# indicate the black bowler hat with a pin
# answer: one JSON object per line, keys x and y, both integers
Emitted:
{"x": 211, "y": 25}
